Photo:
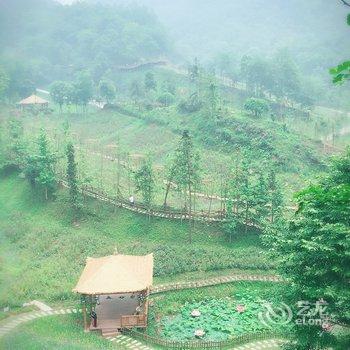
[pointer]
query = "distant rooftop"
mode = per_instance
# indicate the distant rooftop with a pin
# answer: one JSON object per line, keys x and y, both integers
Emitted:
{"x": 33, "y": 100}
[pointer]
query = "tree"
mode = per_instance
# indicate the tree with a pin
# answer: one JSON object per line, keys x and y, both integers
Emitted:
{"x": 186, "y": 170}
{"x": 275, "y": 196}
{"x": 254, "y": 195}
{"x": 257, "y": 73}
{"x": 83, "y": 88}
{"x": 212, "y": 100}
{"x": 256, "y": 106}
{"x": 192, "y": 104}
{"x": 4, "y": 83}
{"x": 150, "y": 82}
{"x": 72, "y": 179}
{"x": 135, "y": 90}
{"x": 16, "y": 147}
{"x": 145, "y": 183}
{"x": 59, "y": 92}
{"x": 341, "y": 73}
{"x": 194, "y": 71}
{"x": 313, "y": 253}
{"x": 107, "y": 90}
{"x": 40, "y": 166}
{"x": 286, "y": 82}
{"x": 166, "y": 99}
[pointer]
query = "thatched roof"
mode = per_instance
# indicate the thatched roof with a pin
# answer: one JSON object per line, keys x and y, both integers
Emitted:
{"x": 33, "y": 100}
{"x": 116, "y": 274}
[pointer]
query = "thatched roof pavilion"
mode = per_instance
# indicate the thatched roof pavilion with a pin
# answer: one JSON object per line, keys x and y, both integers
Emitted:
{"x": 116, "y": 288}
{"x": 33, "y": 100}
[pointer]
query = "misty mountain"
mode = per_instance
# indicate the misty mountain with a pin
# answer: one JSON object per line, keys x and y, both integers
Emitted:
{"x": 314, "y": 31}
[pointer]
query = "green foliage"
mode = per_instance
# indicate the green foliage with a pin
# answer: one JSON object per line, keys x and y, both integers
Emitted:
{"x": 61, "y": 332}
{"x": 341, "y": 73}
{"x": 16, "y": 149}
{"x": 150, "y": 82}
{"x": 20, "y": 80}
{"x": 136, "y": 91}
{"x": 40, "y": 166}
{"x": 212, "y": 100}
{"x": 313, "y": 250}
{"x": 286, "y": 82}
{"x": 255, "y": 195}
{"x": 107, "y": 90}
{"x": 50, "y": 252}
{"x": 194, "y": 71}
{"x": 190, "y": 105}
{"x": 145, "y": 183}
{"x": 186, "y": 165}
{"x": 72, "y": 179}
{"x": 166, "y": 99}
{"x": 4, "y": 82}
{"x": 61, "y": 93}
{"x": 220, "y": 318}
{"x": 92, "y": 36}
{"x": 257, "y": 73}
{"x": 278, "y": 76}
{"x": 171, "y": 260}
{"x": 83, "y": 88}
{"x": 256, "y": 106}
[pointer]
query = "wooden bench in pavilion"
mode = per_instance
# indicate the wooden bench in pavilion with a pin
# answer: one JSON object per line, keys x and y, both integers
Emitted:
{"x": 114, "y": 292}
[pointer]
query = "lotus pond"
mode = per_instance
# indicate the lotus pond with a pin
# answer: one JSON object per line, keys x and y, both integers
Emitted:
{"x": 210, "y": 314}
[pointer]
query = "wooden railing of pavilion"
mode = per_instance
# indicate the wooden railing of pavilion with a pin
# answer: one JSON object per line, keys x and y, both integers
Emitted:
{"x": 130, "y": 321}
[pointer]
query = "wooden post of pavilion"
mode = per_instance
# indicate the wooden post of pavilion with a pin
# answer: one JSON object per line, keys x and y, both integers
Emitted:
{"x": 83, "y": 309}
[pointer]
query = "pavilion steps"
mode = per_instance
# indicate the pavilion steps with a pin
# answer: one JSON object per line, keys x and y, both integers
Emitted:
{"x": 110, "y": 332}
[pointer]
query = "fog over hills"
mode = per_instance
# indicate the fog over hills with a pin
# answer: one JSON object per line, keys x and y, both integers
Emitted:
{"x": 313, "y": 31}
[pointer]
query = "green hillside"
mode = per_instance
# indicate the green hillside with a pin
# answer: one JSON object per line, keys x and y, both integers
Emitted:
{"x": 43, "y": 254}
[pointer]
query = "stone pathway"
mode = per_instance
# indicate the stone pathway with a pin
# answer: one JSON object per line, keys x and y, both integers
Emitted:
{"x": 9, "y": 323}
{"x": 128, "y": 343}
{"x": 213, "y": 281}
{"x": 269, "y": 344}
{"x": 121, "y": 341}
{"x": 39, "y": 304}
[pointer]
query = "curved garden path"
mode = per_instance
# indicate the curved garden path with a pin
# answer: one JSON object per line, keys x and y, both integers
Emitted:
{"x": 213, "y": 281}
{"x": 126, "y": 342}
{"x": 121, "y": 341}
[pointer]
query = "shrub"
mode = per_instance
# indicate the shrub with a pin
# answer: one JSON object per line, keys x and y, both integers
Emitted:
{"x": 166, "y": 99}
{"x": 191, "y": 105}
{"x": 256, "y": 106}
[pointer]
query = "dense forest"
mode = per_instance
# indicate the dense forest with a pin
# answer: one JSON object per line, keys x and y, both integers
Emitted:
{"x": 45, "y": 41}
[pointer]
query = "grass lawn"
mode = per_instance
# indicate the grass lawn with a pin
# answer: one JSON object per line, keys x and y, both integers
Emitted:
{"x": 63, "y": 332}
{"x": 42, "y": 253}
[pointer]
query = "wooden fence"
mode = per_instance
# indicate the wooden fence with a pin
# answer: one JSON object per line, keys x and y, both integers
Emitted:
{"x": 161, "y": 212}
{"x": 203, "y": 344}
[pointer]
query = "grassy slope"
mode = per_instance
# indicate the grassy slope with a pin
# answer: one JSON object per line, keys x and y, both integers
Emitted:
{"x": 292, "y": 140}
{"x": 63, "y": 332}
{"x": 98, "y": 129}
{"x": 42, "y": 254}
